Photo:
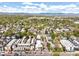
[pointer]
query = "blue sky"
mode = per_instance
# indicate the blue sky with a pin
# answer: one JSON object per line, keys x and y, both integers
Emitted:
{"x": 39, "y": 7}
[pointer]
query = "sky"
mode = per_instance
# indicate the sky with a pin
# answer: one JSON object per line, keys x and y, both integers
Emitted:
{"x": 39, "y": 7}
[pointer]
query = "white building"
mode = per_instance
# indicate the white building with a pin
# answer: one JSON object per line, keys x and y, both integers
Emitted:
{"x": 38, "y": 36}
{"x": 22, "y": 44}
{"x": 38, "y": 44}
{"x": 22, "y": 30}
{"x": 67, "y": 44}
{"x": 76, "y": 22}
{"x": 9, "y": 45}
{"x": 21, "y": 47}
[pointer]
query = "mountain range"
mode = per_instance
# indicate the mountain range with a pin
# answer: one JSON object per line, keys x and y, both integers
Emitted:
{"x": 41, "y": 14}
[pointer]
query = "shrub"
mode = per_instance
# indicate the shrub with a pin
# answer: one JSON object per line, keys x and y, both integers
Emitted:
{"x": 56, "y": 54}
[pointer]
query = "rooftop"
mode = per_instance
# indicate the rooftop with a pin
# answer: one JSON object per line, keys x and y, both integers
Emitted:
{"x": 11, "y": 42}
{"x": 66, "y": 43}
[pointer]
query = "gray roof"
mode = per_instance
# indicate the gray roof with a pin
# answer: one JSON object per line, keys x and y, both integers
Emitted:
{"x": 67, "y": 43}
{"x": 11, "y": 42}
{"x": 75, "y": 42}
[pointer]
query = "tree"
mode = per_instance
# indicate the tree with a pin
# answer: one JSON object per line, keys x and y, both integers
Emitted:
{"x": 21, "y": 34}
{"x": 8, "y": 33}
{"x": 76, "y": 33}
{"x": 52, "y": 35}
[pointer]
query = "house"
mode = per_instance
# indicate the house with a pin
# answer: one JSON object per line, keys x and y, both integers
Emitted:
{"x": 73, "y": 37}
{"x": 49, "y": 38}
{"x": 9, "y": 45}
{"x": 32, "y": 47}
{"x": 22, "y": 44}
{"x": 38, "y": 45}
{"x": 33, "y": 30}
{"x": 64, "y": 29}
{"x": 32, "y": 41}
{"x": 76, "y": 22}
{"x": 57, "y": 30}
{"x": 23, "y": 39}
{"x": 67, "y": 45}
{"x": 38, "y": 36}
{"x": 22, "y": 30}
{"x": 8, "y": 39}
{"x": 29, "y": 40}
{"x": 76, "y": 43}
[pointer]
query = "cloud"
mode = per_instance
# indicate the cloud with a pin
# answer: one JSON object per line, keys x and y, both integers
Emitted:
{"x": 29, "y": 7}
{"x": 7, "y": 9}
{"x": 27, "y": 3}
{"x": 54, "y": 8}
{"x": 32, "y": 9}
{"x": 30, "y": 3}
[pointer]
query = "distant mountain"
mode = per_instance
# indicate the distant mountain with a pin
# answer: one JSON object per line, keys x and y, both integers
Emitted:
{"x": 42, "y": 14}
{"x": 60, "y": 14}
